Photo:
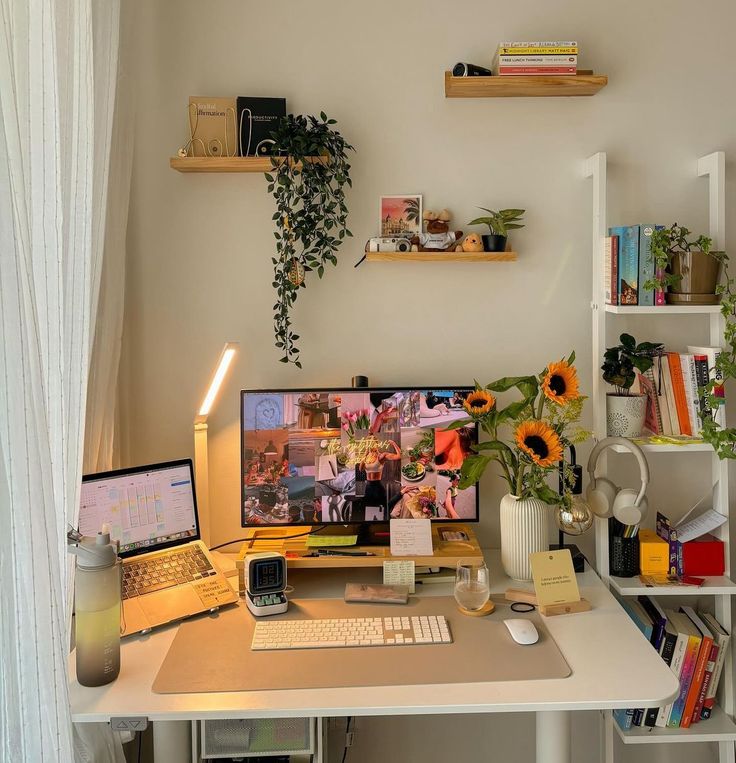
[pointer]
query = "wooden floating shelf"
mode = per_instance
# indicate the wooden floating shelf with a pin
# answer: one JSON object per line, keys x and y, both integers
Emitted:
{"x": 441, "y": 257}
{"x": 531, "y": 86}
{"x": 227, "y": 163}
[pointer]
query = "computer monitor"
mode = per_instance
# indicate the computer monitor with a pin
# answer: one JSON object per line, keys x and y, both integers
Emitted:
{"x": 147, "y": 507}
{"x": 355, "y": 455}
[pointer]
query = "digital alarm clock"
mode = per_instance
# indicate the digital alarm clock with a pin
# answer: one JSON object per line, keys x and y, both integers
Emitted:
{"x": 265, "y": 583}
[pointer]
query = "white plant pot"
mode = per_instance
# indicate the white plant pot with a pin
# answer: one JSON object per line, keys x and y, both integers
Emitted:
{"x": 625, "y": 415}
{"x": 524, "y": 531}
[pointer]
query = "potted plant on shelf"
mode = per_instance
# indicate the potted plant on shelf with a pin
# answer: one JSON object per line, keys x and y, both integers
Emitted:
{"x": 625, "y": 411}
{"x": 499, "y": 224}
{"x": 686, "y": 268}
{"x": 527, "y": 441}
{"x": 311, "y": 214}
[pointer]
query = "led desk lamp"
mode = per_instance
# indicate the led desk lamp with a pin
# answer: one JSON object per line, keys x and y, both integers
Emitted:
{"x": 201, "y": 464}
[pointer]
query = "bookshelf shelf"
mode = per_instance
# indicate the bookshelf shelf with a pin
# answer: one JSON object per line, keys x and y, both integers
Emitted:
{"x": 714, "y": 585}
{"x": 533, "y": 86}
{"x": 225, "y": 163}
{"x": 718, "y": 728}
{"x": 663, "y": 310}
{"x": 652, "y": 447}
{"x": 441, "y": 257}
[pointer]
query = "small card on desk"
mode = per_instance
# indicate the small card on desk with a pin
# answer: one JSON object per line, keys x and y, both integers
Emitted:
{"x": 411, "y": 537}
{"x": 554, "y": 577}
{"x": 377, "y": 594}
{"x": 400, "y": 572}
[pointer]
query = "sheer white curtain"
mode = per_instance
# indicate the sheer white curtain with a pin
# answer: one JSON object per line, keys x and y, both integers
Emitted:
{"x": 58, "y": 65}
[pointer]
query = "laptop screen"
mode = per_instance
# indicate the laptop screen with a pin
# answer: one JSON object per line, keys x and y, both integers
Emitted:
{"x": 147, "y": 508}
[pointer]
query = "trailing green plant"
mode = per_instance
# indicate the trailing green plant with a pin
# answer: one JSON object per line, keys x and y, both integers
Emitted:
{"x": 311, "y": 213}
{"x": 620, "y": 362}
{"x": 501, "y": 222}
{"x": 667, "y": 243}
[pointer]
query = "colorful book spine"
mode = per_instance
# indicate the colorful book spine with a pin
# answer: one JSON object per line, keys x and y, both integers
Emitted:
{"x": 678, "y": 659}
{"x": 669, "y": 395}
{"x": 702, "y": 376}
{"x": 610, "y": 269}
{"x": 524, "y": 47}
{"x": 624, "y": 718}
{"x": 721, "y": 638}
{"x": 666, "y": 652}
{"x": 648, "y": 387}
{"x": 696, "y": 685}
{"x": 710, "y": 666}
{"x": 515, "y": 71}
{"x": 678, "y": 388}
{"x": 646, "y": 263}
{"x": 686, "y": 677}
{"x": 628, "y": 265}
{"x": 536, "y": 60}
{"x": 712, "y": 354}
{"x": 690, "y": 379}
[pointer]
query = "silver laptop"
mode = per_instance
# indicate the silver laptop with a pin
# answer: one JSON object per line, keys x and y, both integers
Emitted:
{"x": 168, "y": 573}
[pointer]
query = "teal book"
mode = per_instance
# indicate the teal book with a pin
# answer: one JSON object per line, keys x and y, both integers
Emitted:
{"x": 628, "y": 263}
{"x": 646, "y": 263}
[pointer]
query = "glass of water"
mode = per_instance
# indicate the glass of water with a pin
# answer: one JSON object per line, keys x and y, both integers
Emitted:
{"x": 472, "y": 584}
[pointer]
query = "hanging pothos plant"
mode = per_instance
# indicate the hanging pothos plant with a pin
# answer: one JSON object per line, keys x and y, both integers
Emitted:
{"x": 311, "y": 214}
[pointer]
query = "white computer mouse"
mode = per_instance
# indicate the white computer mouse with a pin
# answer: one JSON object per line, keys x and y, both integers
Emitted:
{"x": 522, "y": 631}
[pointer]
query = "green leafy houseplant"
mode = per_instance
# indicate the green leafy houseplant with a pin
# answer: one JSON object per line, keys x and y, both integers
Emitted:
{"x": 620, "y": 362}
{"x": 501, "y": 222}
{"x": 311, "y": 213}
{"x": 668, "y": 243}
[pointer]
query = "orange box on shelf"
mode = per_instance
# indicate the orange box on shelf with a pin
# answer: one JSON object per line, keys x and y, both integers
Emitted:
{"x": 654, "y": 553}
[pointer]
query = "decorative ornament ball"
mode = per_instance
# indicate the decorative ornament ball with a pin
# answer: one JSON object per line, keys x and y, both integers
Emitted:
{"x": 182, "y": 152}
{"x": 296, "y": 272}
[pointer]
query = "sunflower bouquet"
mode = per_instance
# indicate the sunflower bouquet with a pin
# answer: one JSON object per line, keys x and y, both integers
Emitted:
{"x": 527, "y": 438}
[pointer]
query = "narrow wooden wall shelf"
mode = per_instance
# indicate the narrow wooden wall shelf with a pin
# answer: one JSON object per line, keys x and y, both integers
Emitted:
{"x": 521, "y": 87}
{"x": 441, "y": 257}
{"x": 226, "y": 163}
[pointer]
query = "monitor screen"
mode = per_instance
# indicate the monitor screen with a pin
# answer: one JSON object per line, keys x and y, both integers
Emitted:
{"x": 354, "y": 455}
{"x": 147, "y": 507}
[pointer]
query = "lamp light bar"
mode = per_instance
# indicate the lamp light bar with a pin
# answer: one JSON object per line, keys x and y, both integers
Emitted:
{"x": 226, "y": 357}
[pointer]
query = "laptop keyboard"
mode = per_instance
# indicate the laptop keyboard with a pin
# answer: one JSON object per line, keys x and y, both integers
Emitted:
{"x": 165, "y": 571}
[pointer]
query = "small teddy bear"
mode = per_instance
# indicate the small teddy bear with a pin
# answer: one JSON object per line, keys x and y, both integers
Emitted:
{"x": 472, "y": 243}
{"x": 438, "y": 236}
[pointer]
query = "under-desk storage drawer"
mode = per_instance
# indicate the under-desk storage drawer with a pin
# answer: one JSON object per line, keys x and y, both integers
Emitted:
{"x": 247, "y": 738}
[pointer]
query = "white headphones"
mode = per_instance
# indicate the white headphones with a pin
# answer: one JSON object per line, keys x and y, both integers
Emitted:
{"x": 607, "y": 499}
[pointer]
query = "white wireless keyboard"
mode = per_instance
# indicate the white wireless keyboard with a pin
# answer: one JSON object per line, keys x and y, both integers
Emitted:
{"x": 353, "y": 631}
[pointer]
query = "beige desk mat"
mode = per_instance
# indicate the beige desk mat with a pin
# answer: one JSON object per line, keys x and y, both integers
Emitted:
{"x": 213, "y": 654}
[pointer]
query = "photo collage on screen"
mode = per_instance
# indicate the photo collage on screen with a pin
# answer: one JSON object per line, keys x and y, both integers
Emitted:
{"x": 354, "y": 456}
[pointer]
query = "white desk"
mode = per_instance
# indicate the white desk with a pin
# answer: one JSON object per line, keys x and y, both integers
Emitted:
{"x": 612, "y": 664}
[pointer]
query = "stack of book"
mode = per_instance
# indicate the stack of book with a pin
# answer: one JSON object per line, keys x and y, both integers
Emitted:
{"x": 628, "y": 264}
{"x": 674, "y": 386}
{"x": 521, "y": 57}
{"x": 694, "y": 645}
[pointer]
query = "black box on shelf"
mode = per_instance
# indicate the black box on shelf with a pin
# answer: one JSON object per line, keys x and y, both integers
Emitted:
{"x": 257, "y": 118}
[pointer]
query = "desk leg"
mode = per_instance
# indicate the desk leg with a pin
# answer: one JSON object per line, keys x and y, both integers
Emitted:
{"x": 553, "y": 737}
{"x": 172, "y": 741}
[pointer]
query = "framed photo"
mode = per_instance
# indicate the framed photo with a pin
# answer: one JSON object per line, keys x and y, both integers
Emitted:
{"x": 400, "y": 215}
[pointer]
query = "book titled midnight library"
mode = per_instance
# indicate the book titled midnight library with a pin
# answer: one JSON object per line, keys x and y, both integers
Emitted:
{"x": 257, "y": 119}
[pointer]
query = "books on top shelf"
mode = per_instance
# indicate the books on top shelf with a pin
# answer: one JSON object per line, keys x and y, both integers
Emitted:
{"x": 520, "y": 57}
{"x": 674, "y": 386}
{"x": 694, "y": 646}
{"x": 628, "y": 264}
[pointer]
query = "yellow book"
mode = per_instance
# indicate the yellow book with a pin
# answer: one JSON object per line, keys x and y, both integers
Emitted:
{"x": 528, "y": 51}
{"x": 654, "y": 553}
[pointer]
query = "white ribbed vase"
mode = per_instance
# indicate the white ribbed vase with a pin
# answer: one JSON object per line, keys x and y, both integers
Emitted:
{"x": 524, "y": 530}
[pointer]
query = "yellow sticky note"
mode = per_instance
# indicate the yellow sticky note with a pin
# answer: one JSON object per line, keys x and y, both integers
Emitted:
{"x": 554, "y": 577}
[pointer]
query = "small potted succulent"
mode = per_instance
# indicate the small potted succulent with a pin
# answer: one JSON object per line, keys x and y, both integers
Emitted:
{"x": 499, "y": 224}
{"x": 686, "y": 267}
{"x": 626, "y": 411}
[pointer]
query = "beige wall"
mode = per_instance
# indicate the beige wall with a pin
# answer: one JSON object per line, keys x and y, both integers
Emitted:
{"x": 200, "y": 245}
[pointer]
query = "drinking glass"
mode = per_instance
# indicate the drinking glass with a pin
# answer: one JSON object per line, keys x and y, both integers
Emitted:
{"x": 472, "y": 584}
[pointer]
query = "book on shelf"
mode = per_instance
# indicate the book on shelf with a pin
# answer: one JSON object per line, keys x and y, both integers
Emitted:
{"x": 690, "y": 379}
{"x": 669, "y": 396}
{"x": 610, "y": 270}
{"x": 624, "y": 718}
{"x": 721, "y": 638}
{"x": 709, "y": 659}
{"x": 653, "y": 420}
{"x": 696, "y": 685}
{"x": 711, "y": 355}
{"x": 678, "y": 657}
{"x": 659, "y": 620}
{"x": 628, "y": 263}
{"x": 546, "y": 47}
{"x": 683, "y": 625}
{"x": 667, "y": 653}
{"x": 516, "y": 70}
{"x": 678, "y": 390}
{"x": 646, "y": 262}
{"x": 213, "y": 126}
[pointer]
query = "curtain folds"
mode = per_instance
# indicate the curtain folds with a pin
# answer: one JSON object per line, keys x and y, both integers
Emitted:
{"x": 58, "y": 69}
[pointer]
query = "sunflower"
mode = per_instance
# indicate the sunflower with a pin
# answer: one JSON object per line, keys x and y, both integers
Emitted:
{"x": 560, "y": 384}
{"x": 479, "y": 402}
{"x": 540, "y": 442}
